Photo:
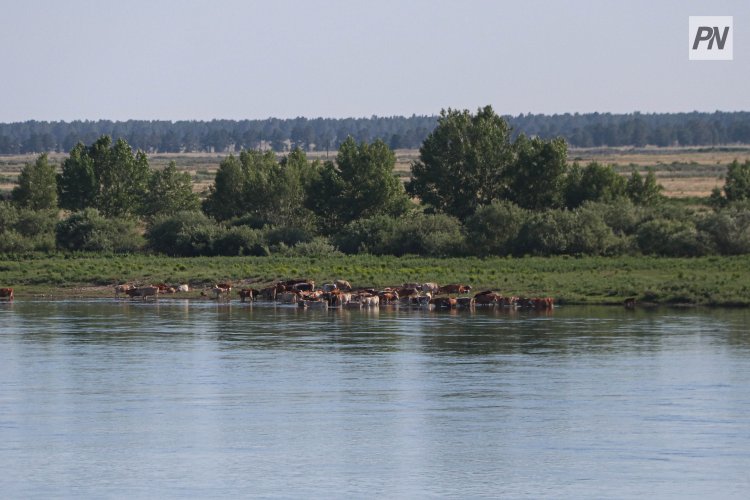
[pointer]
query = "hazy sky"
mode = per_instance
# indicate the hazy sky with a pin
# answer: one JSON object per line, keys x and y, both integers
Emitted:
{"x": 182, "y": 59}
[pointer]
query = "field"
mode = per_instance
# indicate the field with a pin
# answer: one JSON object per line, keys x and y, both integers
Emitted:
{"x": 718, "y": 281}
{"x": 684, "y": 172}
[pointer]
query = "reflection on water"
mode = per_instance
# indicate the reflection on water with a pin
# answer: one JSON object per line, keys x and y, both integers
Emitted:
{"x": 179, "y": 398}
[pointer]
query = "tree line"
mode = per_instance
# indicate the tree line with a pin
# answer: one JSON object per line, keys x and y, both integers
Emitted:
{"x": 477, "y": 188}
{"x": 324, "y": 134}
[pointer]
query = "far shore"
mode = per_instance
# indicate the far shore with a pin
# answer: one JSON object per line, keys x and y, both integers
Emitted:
{"x": 704, "y": 281}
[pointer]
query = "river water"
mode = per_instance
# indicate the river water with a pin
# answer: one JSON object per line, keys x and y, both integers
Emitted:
{"x": 196, "y": 399}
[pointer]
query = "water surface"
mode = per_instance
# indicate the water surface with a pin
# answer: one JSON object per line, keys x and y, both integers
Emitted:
{"x": 173, "y": 399}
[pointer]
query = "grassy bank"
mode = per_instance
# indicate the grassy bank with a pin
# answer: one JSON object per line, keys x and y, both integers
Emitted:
{"x": 721, "y": 281}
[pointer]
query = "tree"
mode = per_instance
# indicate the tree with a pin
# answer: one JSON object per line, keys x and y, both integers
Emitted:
{"x": 225, "y": 198}
{"x": 464, "y": 162}
{"x": 737, "y": 184}
{"x": 324, "y": 197}
{"x": 595, "y": 182}
{"x": 537, "y": 179}
{"x": 77, "y": 184}
{"x": 360, "y": 184}
{"x": 370, "y": 186}
{"x": 109, "y": 178}
{"x": 123, "y": 178}
{"x": 37, "y": 185}
{"x": 169, "y": 192}
{"x": 643, "y": 191}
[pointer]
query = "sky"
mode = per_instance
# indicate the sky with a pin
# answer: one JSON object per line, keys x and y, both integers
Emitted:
{"x": 241, "y": 59}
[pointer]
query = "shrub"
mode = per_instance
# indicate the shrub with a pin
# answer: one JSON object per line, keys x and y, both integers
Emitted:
{"x": 561, "y": 232}
{"x": 372, "y": 235}
{"x": 241, "y": 240}
{"x": 493, "y": 229}
{"x": 88, "y": 230}
{"x": 729, "y": 230}
{"x": 317, "y": 247}
{"x": 184, "y": 234}
{"x": 435, "y": 235}
{"x": 289, "y": 236}
{"x": 420, "y": 234}
{"x": 672, "y": 238}
{"x": 590, "y": 234}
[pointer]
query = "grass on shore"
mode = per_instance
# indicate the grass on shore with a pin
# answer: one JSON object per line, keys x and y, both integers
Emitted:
{"x": 723, "y": 281}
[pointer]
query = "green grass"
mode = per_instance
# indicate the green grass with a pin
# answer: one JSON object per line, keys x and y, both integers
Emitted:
{"x": 592, "y": 280}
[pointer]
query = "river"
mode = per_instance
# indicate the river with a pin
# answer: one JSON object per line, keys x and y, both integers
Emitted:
{"x": 106, "y": 398}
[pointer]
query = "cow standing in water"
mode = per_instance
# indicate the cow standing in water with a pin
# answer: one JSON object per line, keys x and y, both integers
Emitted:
{"x": 6, "y": 294}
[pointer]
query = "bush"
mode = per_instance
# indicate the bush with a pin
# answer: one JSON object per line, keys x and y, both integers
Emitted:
{"x": 546, "y": 233}
{"x": 33, "y": 223}
{"x": 317, "y": 247}
{"x": 493, "y": 229}
{"x": 435, "y": 235}
{"x": 564, "y": 232}
{"x": 24, "y": 230}
{"x": 673, "y": 238}
{"x": 241, "y": 240}
{"x": 728, "y": 230}
{"x": 373, "y": 235}
{"x": 421, "y": 234}
{"x": 289, "y": 236}
{"x": 11, "y": 242}
{"x": 591, "y": 235}
{"x": 184, "y": 234}
{"x": 621, "y": 215}
{"x": 88, "y": 230}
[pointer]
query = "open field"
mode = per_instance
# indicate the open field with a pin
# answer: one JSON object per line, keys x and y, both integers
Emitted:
{"x": 684, "y": 172}
{"x": 718, "y": 281}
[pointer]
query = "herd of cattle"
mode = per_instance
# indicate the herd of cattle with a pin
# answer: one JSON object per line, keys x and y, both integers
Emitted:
{"x": 340, "y": 294}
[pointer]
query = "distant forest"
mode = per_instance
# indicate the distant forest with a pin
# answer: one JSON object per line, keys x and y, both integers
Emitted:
{"x": 322, "y": 134}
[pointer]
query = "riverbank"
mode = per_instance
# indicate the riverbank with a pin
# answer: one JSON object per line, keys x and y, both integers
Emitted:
{"x": 713, "y": 281}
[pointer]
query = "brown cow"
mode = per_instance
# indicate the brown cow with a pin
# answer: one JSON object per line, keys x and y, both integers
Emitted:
{"x": 288, "y": 297}
{"x": 343, "y": 285}
{"x": 465, "y": 302}
{"x": 388, "y": 297}
{"x": 6, "y": 294}
{"x": 219, "y": 290}
{"x": 486, "y": 299}
{"x": 122, "y": 289}
{"x": 369, "y": 300}
{"x": 444, "y": 302}
{"x": 248, "y": 293}
{"x": 454, "y": 288}
{"x": 143, "y": 291}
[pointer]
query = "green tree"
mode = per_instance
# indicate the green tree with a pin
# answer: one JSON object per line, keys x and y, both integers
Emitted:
{"x": 737, "y": 184}
{"x": 110, "y": 178}
{"x": 360, "y": 185}
{"x": 123, "y": 178}
{"x": 643, "y": 191}
{"x": 324, "y": 197}
{"x": 595, "y": 182}
{"x": 370, "y": 186}
{"x": 37, "y": 185}
{"x": 225, "y": 198}
{"x": 169, "y": 192}
{"x": 537, "y": 179}
{"x": 464, "y": 162}
{"x": 292, "y": 182}
{"x": 77, "y": 185}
